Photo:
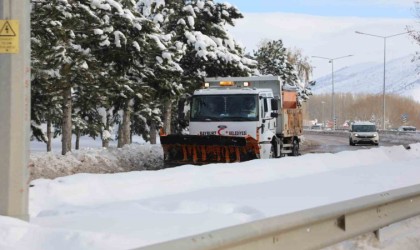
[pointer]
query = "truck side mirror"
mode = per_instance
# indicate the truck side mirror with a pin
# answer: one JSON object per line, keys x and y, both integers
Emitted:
{"x": 183, "y": 101}
{"x": 274, "y": 115}
{"x": 274, "y": 104}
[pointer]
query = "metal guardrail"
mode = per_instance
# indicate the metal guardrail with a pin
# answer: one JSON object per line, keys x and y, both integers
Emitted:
{"x": 308, "y": 229}
{"x": 384, "y": 135}
{"x": 345, "y": 131}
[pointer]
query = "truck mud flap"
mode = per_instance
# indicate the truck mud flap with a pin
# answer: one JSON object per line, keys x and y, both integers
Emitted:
{"x": 194, "y": 149}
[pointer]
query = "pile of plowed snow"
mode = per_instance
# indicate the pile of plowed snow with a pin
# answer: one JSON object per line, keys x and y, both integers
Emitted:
{"x": 96, "y": 160}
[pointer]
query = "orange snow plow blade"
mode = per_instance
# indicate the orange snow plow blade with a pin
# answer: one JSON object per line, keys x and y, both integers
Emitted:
{"x": 198, "y": 149}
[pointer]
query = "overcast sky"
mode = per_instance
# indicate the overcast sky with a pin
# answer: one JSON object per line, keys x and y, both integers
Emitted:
{"x": 361, "y": 8}
{"x": 327, "y": 28}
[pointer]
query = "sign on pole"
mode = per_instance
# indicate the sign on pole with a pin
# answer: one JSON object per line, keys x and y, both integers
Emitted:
{"x": 9, "y": 36}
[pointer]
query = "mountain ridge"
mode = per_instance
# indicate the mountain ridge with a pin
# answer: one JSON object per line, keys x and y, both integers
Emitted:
{"x": 402, "y": 78}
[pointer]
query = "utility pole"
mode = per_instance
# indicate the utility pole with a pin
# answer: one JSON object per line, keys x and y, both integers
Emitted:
{"x": 384, "y": 76}
{"x": 331, "y": 60}
{"x": 322, "y": 115}
{"x": 14, "y": 107}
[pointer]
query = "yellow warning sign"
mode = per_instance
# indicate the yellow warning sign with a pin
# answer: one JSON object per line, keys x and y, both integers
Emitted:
{"x": 9, "y": 36}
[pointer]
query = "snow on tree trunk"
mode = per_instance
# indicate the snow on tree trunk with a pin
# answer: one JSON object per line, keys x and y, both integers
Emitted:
{"x": 66, "y": 124}
{"x": 125, "y": 130}
{"x": 167, "y": 115}
{"x": 153, "y": 132}
{"x": 105, "y": 143}
{"x": 106, "y": 135}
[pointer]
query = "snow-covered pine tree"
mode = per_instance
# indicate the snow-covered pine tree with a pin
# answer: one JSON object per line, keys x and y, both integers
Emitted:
{"x": 211, "y": 50}
{"x": 45, "y": 106}
{"x": 103, "y": 53}
{"x": 221, "y": 55}
{"x": 204, "y": 47}
{"x": 45, "y": 99}
{"x": 272, "y": 60}
{"x": 97, "y": 54}
{"x": 58, "y": 28}
{"x": 134, "y": 49}
{"x": 167, "y": 72}
{"x": 86, "y": 118}
{"x": 293, "y": 68}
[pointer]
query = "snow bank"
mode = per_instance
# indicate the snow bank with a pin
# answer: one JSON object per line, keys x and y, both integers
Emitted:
{"x": 96, "y": 160}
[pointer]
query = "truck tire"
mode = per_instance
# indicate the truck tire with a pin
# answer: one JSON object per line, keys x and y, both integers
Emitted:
{"x": 272, "y": 152}
{"x": 351, "y": 142}
{"x": 295, "y": 148}
{"x": 281, "y": 150}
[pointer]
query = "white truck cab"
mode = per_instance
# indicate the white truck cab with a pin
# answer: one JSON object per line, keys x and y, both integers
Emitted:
{"x": 234, "y": 112}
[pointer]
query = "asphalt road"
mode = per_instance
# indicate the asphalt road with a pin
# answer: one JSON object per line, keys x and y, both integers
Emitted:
{"x": 320, "y": 143}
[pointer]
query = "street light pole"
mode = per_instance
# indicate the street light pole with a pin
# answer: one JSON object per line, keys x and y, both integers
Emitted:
{"x": 333, "y": 95}
{"x": 331, "y": 60}
{"x": 384, "y": 78}
{"x": 322, "y": 115}
{"x": 383, "y": 89}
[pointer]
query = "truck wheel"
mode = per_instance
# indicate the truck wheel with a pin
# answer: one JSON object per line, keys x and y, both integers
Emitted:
{"x": 272, "y": 152}
{"x": 351, "y": 142}
{"x": 295, "y": 148}
{"x": 281, "y": 150}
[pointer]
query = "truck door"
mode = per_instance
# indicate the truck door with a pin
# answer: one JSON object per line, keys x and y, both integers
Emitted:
{"x": 266, "y": 110}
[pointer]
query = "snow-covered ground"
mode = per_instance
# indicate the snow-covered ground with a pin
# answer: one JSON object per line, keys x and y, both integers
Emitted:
{"x": 91, "y": 158}
{"x": 132, "y": 209}
{"x": 134, "y": 157}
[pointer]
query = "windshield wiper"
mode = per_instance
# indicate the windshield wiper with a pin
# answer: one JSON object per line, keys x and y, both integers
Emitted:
{"x": 237, "y": 118}
{"x": 207, "y": 118}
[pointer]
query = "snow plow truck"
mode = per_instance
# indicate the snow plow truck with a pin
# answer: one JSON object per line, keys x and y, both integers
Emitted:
{"x": 234, "y": 119}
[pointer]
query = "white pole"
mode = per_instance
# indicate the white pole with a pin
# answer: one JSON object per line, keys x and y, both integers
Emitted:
{"x": 323, "y": 120}
{"x": 14, "y": 107}
{"x": 331, "y": 60}
{"x": 333, "y": 99}
{"x": 383, "y": 89}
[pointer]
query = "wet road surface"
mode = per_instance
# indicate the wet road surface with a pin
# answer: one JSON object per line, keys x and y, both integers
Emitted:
{"x": 319, "y": 143}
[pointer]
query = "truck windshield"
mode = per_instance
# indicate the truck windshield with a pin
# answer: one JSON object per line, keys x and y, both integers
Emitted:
{"x": 364, "y": 128}
{"x": 241, "y": 107}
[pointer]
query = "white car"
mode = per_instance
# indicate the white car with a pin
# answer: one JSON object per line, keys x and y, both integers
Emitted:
{"x": 363, "y": 133}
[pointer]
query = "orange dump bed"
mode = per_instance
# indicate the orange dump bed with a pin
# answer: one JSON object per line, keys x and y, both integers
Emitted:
{"x": 289, "y": 100}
